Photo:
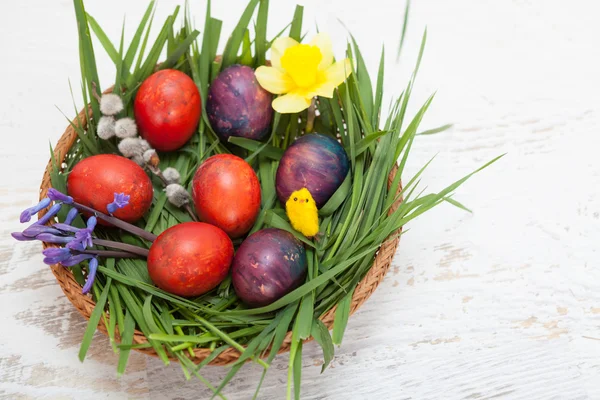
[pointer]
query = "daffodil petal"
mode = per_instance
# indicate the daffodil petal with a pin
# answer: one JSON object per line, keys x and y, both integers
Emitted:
{"x": 324, "y": 90}
{"x": 323, "y": 42}
{"x": 279, "y": 46}
{"x": 273, "y": 80}
{"x": 291, "y": 103}
{"x": 338, "y": 72}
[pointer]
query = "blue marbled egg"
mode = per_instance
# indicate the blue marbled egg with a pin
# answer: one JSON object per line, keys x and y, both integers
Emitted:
{"x": 316, "y": 162}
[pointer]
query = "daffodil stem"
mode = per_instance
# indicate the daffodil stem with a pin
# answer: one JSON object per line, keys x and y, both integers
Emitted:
{"x": 122, "y": 246}
{"x": 126, "y": 226}
{"x": 311, "y": 115}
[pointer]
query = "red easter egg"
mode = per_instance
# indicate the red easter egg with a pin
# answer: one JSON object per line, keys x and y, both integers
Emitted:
{"x": 94, "y": 181}
{"x": 167, "y": 109}
{"x": 226, "y": 194}
{"x": 190, "y": 259}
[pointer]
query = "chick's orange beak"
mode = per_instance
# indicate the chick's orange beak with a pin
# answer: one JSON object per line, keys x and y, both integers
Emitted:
{"x": 301, "y": 200}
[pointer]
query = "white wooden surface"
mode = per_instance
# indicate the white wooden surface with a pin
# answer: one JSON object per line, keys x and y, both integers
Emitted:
{"x": 502, "y": 303}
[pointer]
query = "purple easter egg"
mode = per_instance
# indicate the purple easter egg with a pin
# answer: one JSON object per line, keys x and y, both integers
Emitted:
{"x": 268, "y": 265}
{"x": 238, "y": 106}
{"x": 316, "y": 162}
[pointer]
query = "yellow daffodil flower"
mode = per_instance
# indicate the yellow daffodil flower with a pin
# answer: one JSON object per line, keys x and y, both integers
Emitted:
{"x": 302, "y": 71}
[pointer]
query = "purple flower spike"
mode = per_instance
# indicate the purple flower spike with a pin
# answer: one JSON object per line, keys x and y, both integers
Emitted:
{"x": 20, "y": 237}
{"x": 50, "y": 238}
{"x": 83, "y": 237}
{"x": 65, "y": 227}
{"x": 75, "y": 245}
{"x": 55, "y": 195}
{"x": 76, "y": 259}
{"x": 71, "y": 216}
{"x": 93, "y": 267}
{"x": 27, "y": 214}
{"x": 120, "y": 201}
{"x": 91, "y": 223}
{"x": 36, "y": 229}
{"x": 56, "y": 255}
{"x": 50, "y": 214}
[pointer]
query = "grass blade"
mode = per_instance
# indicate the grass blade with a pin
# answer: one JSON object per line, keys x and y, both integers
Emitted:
{"x": 86, "y": 55}
{"x": 321, "y": 335}
{"x": 456, "y": 203}
{"x": 363, "y": 80}
{"x": 235, "y": 40}
{"x": 260, "y": 41}
{"x": 404, "y": 27}
{"x": 147, "y": 313}
{"x": 282, "y": 329}
{"x": 94, "y": 320}
{"x": 341, "y": 318}
{"x": 135, "y": 42}
{"x": 205, "y": 60}
{"x": 379, "y": 91}
{"x": 174, "y": 57}
{"x": 338, "y": 197}
{"x": 104, "y": 40}
{"x": 296, "y": 27}
{"x": 365, "y": 143}
{"x": 298, "y": 371}
{"x": 435, "y": 130}
{"x": 126, "y": 339}
{"x": 265, "y": 149}
{"x": 305, "y": 316}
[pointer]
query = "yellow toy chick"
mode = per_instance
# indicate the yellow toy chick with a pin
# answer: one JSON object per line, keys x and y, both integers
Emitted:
{"x": 302, "y": 211}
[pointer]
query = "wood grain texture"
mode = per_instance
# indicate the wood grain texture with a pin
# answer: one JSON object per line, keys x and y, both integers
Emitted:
{"x": 503, "y": 303}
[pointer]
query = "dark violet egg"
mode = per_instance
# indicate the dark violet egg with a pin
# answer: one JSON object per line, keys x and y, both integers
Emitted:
{"x": 237, "y": 105}
{"x": 315, "y": 162}
{"x": 268, "y": 265}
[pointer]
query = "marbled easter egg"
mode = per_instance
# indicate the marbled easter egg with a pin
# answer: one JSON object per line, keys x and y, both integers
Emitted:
{"x": 316, "y": 162}
{"x": 237, "y": 105}
{"x": 268, "y": 265}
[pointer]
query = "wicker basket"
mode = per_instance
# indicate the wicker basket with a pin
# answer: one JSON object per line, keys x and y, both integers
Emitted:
{"x": 85, "y": 305}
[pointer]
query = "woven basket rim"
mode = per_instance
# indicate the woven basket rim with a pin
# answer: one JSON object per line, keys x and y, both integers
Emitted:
{"x": 85, "y": 305}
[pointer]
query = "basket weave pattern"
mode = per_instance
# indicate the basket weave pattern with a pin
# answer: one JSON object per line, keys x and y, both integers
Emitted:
{"x": 85, "y": 305}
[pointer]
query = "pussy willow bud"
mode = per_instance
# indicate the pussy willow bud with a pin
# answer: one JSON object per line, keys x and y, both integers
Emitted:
{"x": 106, "y": 127}
{"x": 177, "y": 195}
{"x": 110, "y": 104}
{"x": 151, "y": 158}
{"x": 125, "y": 128}
{"x": 131, "y": 147}
{"x": 172, "y": 175}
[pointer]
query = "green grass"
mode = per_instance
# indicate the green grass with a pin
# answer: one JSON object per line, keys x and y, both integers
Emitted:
{"x": 355, "y": 221}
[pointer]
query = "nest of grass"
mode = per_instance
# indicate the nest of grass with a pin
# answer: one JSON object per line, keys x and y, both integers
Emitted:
{"x": 85, "y": 304}
{"x": 361, "y": 222}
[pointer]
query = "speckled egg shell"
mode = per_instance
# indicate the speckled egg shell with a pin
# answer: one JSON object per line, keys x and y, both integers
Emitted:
{"x": 237, "y": 105}
{"x": 190, "y": 259}
{"x": 316, "y": 162}
{"x": 268, "y": 265}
